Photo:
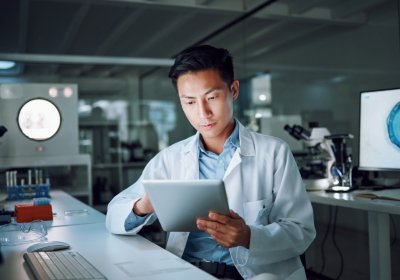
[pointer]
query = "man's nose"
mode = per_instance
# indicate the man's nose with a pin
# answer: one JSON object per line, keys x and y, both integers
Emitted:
{"x": 204, "y": 110}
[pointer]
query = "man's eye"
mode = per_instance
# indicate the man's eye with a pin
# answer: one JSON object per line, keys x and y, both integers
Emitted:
{"x": 211, "y": 98}
{"x": 190, "y": 103}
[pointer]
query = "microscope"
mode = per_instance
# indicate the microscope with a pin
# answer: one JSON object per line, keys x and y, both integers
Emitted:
{"x": 326, "y": 164}
{"x": 343, "y": 168}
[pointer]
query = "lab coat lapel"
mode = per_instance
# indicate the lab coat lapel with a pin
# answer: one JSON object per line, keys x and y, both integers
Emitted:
{"x": 190, "y": 159}
{"x": 234, "y": 178}
{"x": 246, "y": 149}
{"x": 235, "y": 161}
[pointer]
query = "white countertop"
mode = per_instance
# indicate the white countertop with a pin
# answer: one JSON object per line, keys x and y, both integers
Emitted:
{"x": 350, "y": 200}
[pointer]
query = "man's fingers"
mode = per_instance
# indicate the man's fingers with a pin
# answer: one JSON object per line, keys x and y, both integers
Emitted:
{"x": 224, "y": 239}
{"x": 205, "y": 225}
{"x": 220, "y": 239}
{"x": 227, "y": 235}
{"x": 212, "y": 226}
{"x": 215, "y": 216}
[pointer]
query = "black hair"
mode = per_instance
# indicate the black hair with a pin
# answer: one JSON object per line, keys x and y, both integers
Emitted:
{"x": 203, "y": 57}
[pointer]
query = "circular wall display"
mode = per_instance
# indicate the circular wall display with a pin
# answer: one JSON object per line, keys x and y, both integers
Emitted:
{"x": 393, "y": 125}
{"x": 39, "y": 119}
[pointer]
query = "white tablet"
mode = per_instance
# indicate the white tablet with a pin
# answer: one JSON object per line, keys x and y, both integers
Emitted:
{"x": 178, "y": 203}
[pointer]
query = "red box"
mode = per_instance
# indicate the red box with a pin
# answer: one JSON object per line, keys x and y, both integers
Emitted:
{"x": 29, "y": 212}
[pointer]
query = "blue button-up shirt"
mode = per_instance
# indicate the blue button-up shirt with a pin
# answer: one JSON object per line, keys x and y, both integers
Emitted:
{"x": 200, "y": 246}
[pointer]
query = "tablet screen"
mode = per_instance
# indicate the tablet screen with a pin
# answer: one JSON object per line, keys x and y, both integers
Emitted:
{"x": 178, "y": 203}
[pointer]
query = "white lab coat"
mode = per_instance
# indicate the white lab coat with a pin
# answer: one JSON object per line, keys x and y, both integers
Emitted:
{"x": 263, "y": 186}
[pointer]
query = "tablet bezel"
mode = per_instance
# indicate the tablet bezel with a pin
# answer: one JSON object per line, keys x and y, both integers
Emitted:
{"x": 178, "y": 203}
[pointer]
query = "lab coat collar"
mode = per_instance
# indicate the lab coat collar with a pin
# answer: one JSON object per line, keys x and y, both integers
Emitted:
{"x": 190, "y": 158}
{"x": 192, "y": 144}
{"x": 246, "y": 142}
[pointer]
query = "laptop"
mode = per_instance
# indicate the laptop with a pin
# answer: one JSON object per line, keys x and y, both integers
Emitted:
{"x": 178, "y": 203}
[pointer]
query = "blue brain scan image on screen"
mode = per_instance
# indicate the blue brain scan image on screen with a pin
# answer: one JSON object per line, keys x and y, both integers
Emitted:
{"x": 393, "y": 125}
{"x": 380, "y": 130}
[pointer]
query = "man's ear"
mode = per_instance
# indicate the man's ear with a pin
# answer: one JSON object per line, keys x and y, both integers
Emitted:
{"x": 235, "y": 89}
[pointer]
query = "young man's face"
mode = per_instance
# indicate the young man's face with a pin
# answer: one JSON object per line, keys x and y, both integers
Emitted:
{"x": 207, "y": 102}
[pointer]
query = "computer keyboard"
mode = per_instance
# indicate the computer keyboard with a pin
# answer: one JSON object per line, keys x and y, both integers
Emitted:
{"x": 61, "y": 265}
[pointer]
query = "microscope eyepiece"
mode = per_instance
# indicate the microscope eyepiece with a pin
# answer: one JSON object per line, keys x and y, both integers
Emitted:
{"x": 298, "y": 132}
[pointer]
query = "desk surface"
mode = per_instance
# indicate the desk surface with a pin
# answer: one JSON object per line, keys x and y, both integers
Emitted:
{"x": 116, "y": 256}
{"x": 350, "y": 200}
{"x": 68, "y": 210}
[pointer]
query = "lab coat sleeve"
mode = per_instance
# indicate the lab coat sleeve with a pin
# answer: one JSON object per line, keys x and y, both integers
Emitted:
{"x": 290, "y": 229}
{"x": 121, "y": 205}
{"x": 134, "y": 220}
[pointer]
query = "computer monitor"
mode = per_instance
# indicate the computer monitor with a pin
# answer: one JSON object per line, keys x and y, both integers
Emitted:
{"x": 380, "y": 130}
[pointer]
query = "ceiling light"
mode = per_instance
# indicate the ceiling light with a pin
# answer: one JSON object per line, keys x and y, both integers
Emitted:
{"x": 6, "y": 64}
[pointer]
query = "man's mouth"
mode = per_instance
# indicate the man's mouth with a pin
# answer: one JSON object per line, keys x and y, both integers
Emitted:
{"x": 208, "y": 126}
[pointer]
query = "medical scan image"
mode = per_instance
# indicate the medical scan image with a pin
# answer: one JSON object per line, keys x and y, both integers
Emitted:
{"x": 393, "y": 125}
{"x": 39, "y": 119}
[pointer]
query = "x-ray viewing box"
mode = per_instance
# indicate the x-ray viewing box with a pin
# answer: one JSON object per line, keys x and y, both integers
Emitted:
{"x": 41, "y": 120}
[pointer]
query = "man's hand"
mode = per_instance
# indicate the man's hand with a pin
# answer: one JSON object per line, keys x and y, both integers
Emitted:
{"x": 143, "y": 206}
{"x": 228, "y": 231}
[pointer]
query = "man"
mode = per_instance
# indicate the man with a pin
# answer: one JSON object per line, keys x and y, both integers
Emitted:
{"x": 271, "y": 221}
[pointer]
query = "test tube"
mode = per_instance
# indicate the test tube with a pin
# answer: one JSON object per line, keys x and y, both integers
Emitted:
{"x": 36, "y": 177}
{"x": 15, "y": 178}
{"x": 41, "y": 177}
{"x": 29, "y": 177}
{"x": 8, "y": 179}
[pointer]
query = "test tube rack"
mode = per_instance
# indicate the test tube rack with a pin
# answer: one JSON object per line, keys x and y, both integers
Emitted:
{"x": 26, "y": 191}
